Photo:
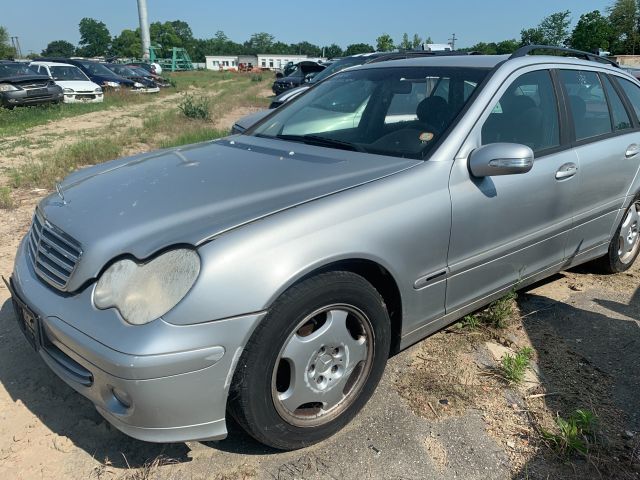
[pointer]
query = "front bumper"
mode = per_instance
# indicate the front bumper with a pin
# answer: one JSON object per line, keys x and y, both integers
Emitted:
{"x": 146, "y": 90}
{"x": 83, "y": 97}
{"x": 174, "y": 379}
{"x": 19, "y": 98}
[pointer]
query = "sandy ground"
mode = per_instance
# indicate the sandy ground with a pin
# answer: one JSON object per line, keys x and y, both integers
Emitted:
{"x": 439, "y": 413}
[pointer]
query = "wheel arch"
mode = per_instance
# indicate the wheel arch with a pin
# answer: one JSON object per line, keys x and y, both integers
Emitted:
{"x": 377, "y": 275}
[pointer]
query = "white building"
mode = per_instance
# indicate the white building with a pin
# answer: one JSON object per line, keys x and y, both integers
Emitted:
{"x": 276, "y": 62}
{"x": 221, "y": 62}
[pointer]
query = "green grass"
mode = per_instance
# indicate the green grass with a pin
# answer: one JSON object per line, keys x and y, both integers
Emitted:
{"x": 514, "y": 367}
{"x": 575, "y": 435}
{"x": 201, "y": 134}
{"x": 169, "y": 128}
{"x": 472, "y": 321}
{"x": 499, "y": 312}
{"x": 6, "y": 201}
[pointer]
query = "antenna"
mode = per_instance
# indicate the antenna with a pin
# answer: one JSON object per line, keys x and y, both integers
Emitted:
{"x": 144, "y": 29}
{"x": 15, "y": 42}
{"x": 452, "y": 41}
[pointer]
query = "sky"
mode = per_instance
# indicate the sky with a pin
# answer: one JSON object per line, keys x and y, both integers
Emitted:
{"x": 320, "y": 22}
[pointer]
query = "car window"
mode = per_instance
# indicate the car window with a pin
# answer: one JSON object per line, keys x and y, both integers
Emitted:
{"x": 16, "y": 69}
{"x": 381, "y": 110}
{"x": 619, "y": 115}
{"x": 67, "y": 73}
{"x": 527, "y": 113}
{"x": 587, "y": 103}
{"x": 633, "y": 93}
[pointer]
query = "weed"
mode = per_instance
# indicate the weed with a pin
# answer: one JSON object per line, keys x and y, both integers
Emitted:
{"x": 575, "y": 434}
{"x": 513, "y": 367}
{"x": 471, "y": 321}
{"x": 256, "y": 78}
{"x": 500, "y": 311}
{"x": 192, "y": 107}
{"x": 6, "y": 201}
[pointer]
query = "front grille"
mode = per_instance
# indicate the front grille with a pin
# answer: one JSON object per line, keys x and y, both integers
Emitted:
{"x": 54, "y": 254}
{"x": 28, "y": 86}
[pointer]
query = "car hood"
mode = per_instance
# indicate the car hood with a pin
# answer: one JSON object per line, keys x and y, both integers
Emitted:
{"x": 23, "y": 78}
{"x": 250, "y": 120}
{"x": 77, "y": 85}
{"x": 188, "y": 195}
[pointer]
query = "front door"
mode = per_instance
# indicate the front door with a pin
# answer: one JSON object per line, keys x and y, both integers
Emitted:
{"x": 506, "y": 229}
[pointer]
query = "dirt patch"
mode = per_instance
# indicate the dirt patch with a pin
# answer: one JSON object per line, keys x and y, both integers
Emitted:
{"x": 455, "y": 372}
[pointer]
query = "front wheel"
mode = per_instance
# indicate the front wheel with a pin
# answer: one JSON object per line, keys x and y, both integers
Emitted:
{"x": 313, "y": 362}
{"x": 625, "y": 245}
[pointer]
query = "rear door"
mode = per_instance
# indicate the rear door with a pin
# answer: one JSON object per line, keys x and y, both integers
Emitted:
{"x": 607, "y": 144}
{"x": 506, "y": 229}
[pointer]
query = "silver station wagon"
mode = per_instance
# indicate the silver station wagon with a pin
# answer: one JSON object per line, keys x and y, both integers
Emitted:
{"x": 271, "y": 274}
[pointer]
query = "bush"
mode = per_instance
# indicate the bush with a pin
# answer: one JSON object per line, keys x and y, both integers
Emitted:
{"x": 195, "y": 108}
{"x": 256, "y": 78}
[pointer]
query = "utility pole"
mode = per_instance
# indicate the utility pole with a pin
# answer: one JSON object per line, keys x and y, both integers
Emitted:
{"x": 16, "y": 46}
{"x": 144, "y": 29}
{"x": 452, "y": 41}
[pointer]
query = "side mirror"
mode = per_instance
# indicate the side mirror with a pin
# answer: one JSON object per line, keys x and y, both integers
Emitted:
{"x": 500, "y": 159}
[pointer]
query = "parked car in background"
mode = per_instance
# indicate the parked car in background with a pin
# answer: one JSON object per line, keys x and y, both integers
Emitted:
{"x": 297, "y": 77}
{"x": 21, "y": 85}
{"x": 97, "y": 73}
{"x": 141, "y": 83}
{"x": 75, "y": 84}
{"x": 157, "y": 79}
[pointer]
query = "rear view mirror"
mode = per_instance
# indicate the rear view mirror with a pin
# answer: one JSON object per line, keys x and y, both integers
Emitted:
{"x": 500, "y": 159}
{"x": 403, "y": 87}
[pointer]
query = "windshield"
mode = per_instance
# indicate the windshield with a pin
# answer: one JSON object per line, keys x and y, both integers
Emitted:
{"x": 139, "y": 71}
{"x": 14, "y": 69}
{"x": 397, "y": 111}
{"x": 122, "y": 70}
{"x": 67, "y": 73}
{"x": 97, "y": 69}
{"x": 337, "y": 66}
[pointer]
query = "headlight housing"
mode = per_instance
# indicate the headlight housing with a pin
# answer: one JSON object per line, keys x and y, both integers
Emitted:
{"x": 7, "y": 87}
{"x": 138, "y": 85}
{"x": 97, "y": 90}
{"x": 143, "y": 292}
{"x": 111, "y": 84}
{"x": 68, "y": 90}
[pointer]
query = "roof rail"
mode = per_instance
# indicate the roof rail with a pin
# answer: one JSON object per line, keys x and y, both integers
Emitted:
{"x": 415, "y": 53}
{"x": 527, "y": 49}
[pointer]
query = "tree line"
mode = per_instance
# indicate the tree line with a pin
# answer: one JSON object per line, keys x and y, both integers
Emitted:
{"x": 616, "y": 30}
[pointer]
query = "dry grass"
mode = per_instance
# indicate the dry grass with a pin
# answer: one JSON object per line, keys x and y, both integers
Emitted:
{"x": 170, "y": 128}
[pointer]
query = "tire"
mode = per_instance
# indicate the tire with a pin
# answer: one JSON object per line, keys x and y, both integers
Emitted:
{"x": 323, "y": 346}
{"x": 625, "y": 245}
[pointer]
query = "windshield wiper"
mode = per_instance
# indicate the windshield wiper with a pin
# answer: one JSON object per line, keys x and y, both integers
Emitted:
{"x": 321, "y": 141}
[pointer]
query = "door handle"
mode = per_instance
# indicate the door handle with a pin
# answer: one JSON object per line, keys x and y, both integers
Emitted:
{"x": 567, "y": 170}
{"x": 632, "y": 150}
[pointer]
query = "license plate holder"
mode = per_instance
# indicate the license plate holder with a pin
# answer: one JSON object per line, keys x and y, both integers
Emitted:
{"x": 28, "y": 321}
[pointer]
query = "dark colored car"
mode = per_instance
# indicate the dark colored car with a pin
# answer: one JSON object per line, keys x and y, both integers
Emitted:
{"x": 149, "y": 67}
{"x": 97, "y": 73}
{"x": 304, "y": 69}
{"x": 144, "y": 73}
{"x": 20, "y": 85}
{"x": 141, "y": 83}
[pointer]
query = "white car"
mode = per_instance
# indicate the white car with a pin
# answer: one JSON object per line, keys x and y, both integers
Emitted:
{"x": 75, "y": 84}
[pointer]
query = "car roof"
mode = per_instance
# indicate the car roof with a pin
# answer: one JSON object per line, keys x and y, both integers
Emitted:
{"x": 52, "y": 64}
{"x": 488, "y": 61}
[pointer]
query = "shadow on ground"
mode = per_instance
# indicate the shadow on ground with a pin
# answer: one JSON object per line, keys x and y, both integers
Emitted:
{"x": 66, "y": 413}
{"x": 588, "y": 348}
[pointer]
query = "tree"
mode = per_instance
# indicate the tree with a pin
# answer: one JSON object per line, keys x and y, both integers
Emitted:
{"x": 305, "y": 48}
{"x": 356, "y": 48}
{"x": 6, "y": 50}
{"x": 127, "y": 44}
{"x": 555, "y": 28}
{"x": 417, "y": 41}
{"x": 405, "y": 44}
{"x": 59, "y": 48}
{"x": 94, "y": 38}
{"x": 485, "y": 48}
{"x": 333, "y": 51}
{"x": 384, "y": 43}
{"x": 592, "y": 32}
{"x": 165, "y": 36}
{"x": 623, "y": 17}
{"x": 531, "y": 36}
{"x": 259, "y": 43}
{"x": 507, "y": 46}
